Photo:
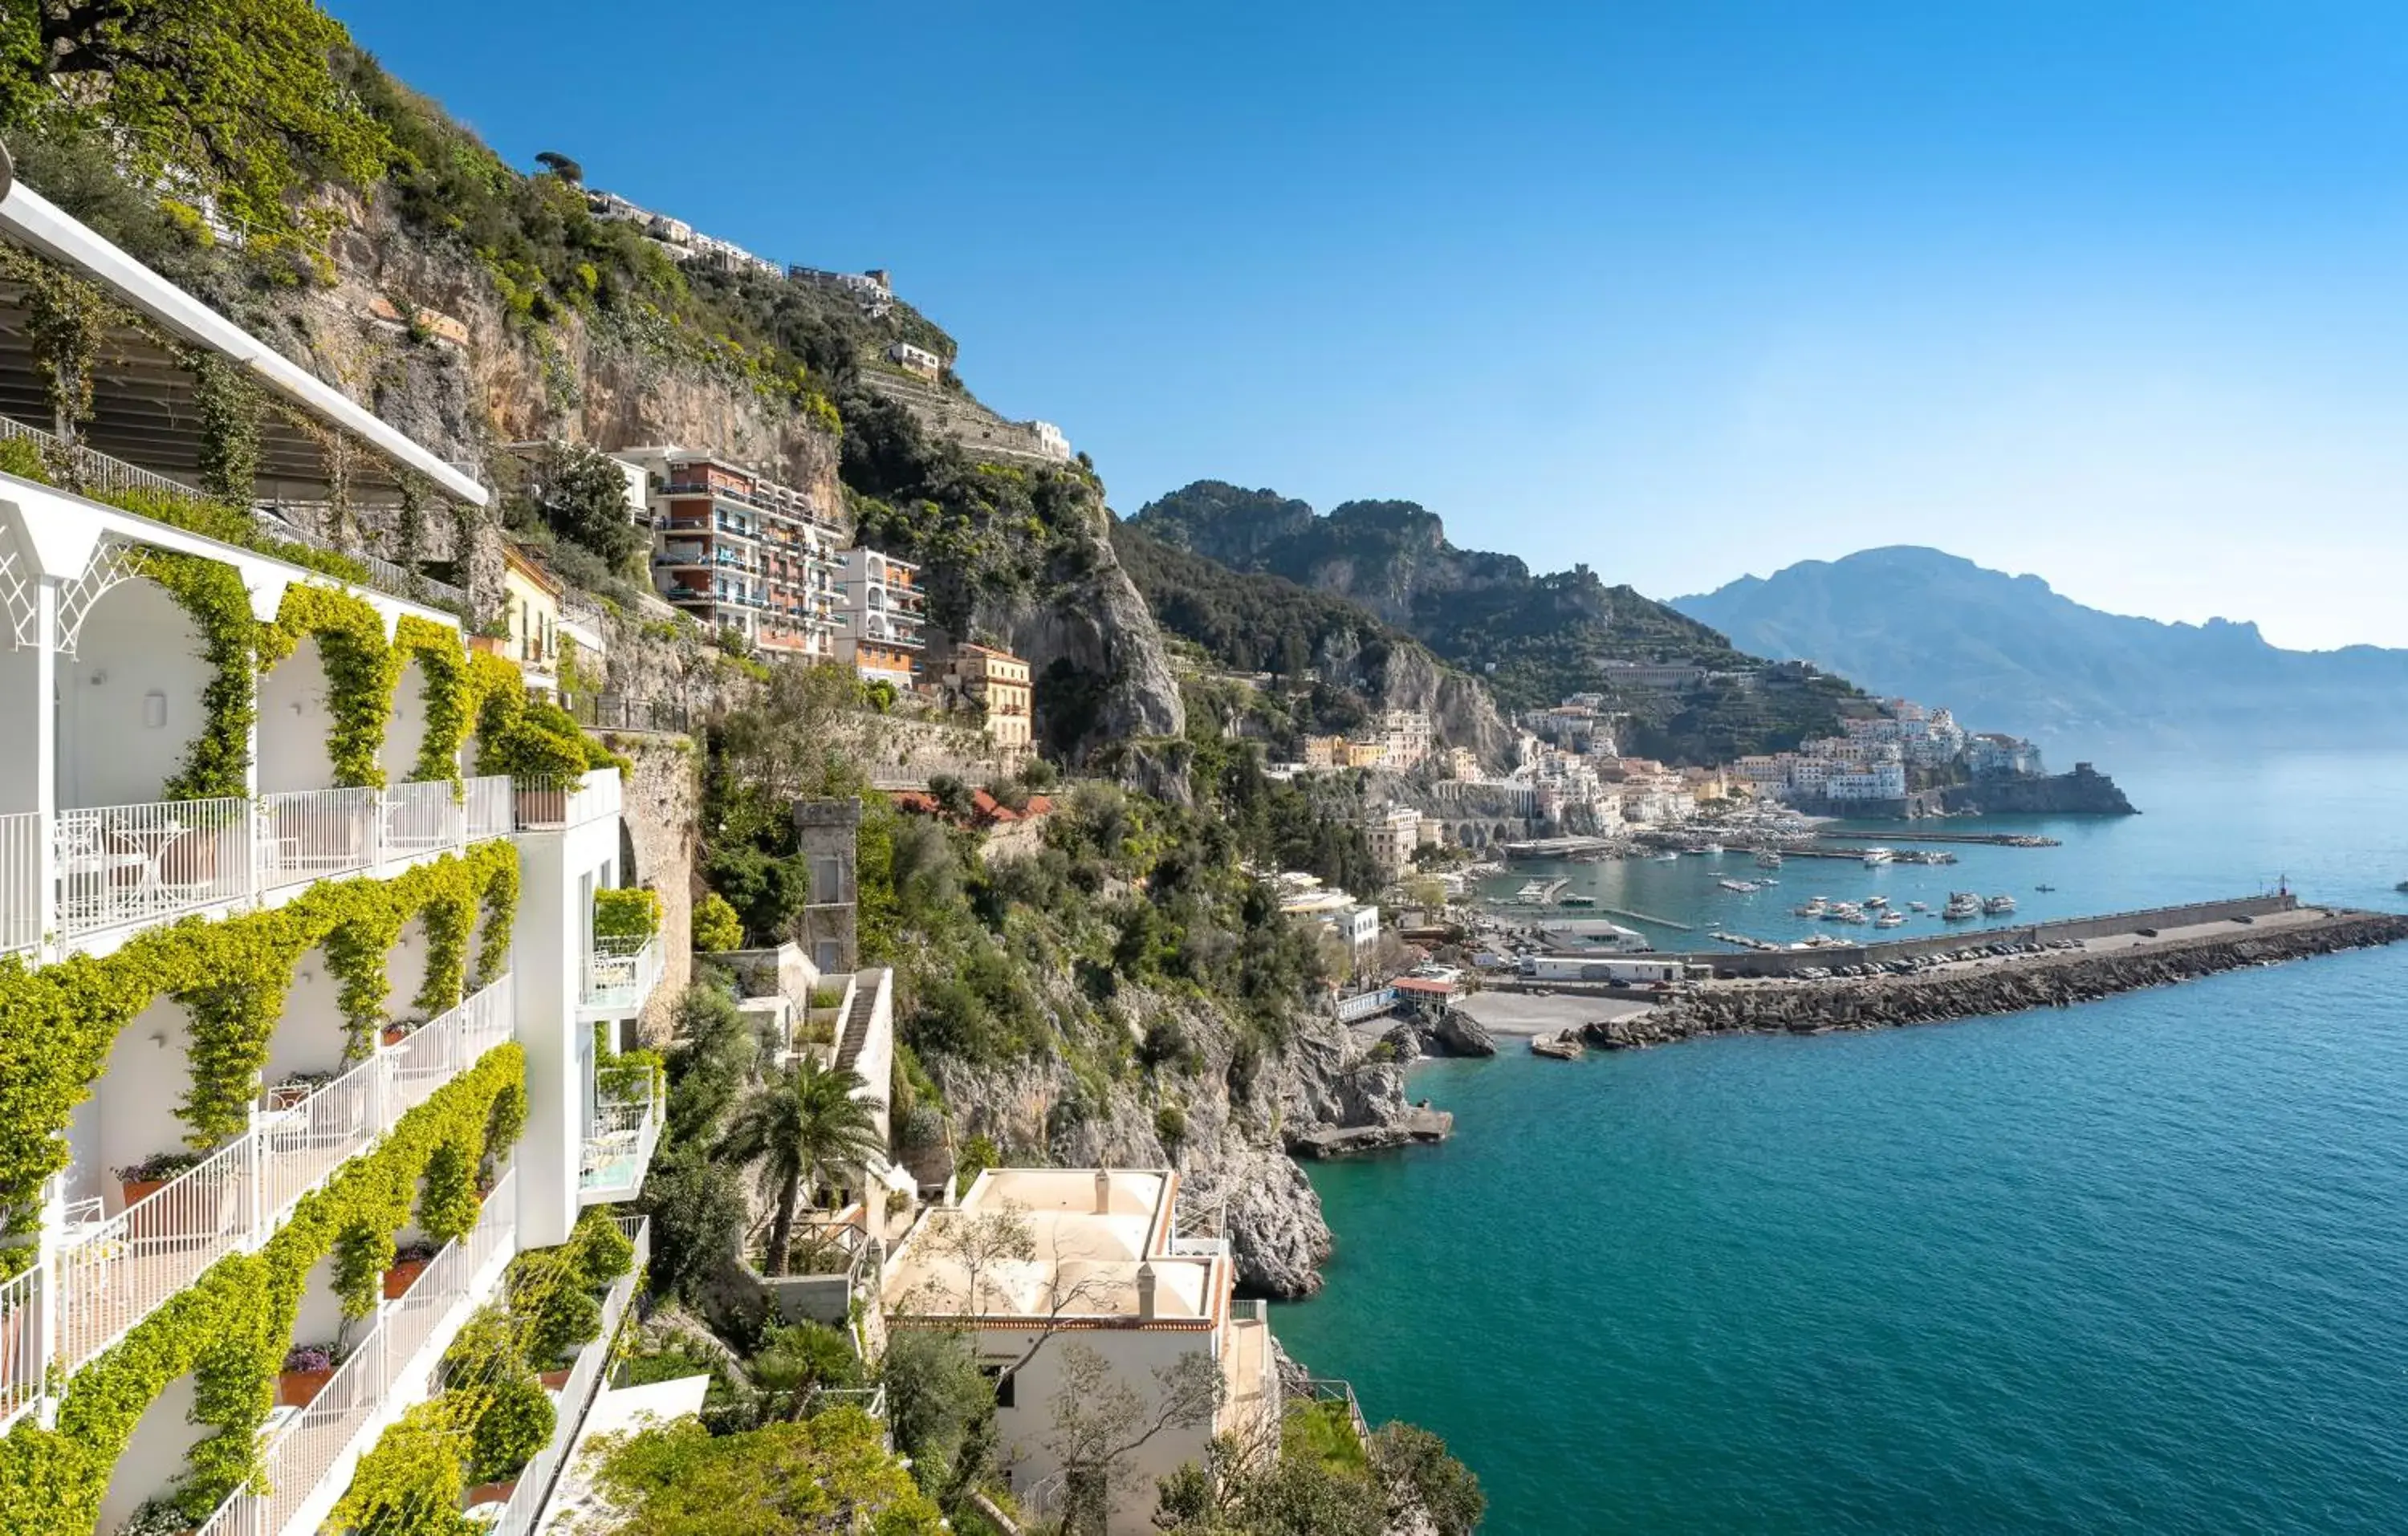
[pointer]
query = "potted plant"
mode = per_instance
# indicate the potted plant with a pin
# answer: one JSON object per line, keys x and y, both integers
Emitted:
{"x": 153, "y": 1174}
{"x": 161, "y": 1516}
{"x": 517, "y": 1422}
{"x": 399, "y": 1030}
{"x": 308, "y": 1368}
{"x": 408, "y": 1263}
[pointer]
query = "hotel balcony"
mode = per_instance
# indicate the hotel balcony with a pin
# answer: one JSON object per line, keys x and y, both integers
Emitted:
{"x": 620, "y": 1133}
{"x": 556, "y": 804}
{"x": 121, "y": 1252}
{"x": 308, "y": 1454}
{"x": 618, "y": 975}
{"x": 114, "y": 869}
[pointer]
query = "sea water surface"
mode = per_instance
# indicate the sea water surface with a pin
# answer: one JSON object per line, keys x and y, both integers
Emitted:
{"x": 2136, "y": 1266}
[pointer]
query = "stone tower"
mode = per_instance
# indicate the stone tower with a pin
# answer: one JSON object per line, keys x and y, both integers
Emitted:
{"x": 828, "y": 835}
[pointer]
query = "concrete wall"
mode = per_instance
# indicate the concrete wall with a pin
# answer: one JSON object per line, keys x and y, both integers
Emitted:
{"x": 1022, "y": 1429}
{"x": 663, "y": 807}
{"x": 557, "y": 873}
{"x": 405, "y": 727}
{"x": 131, "y": 1110}
{"x": 136, "y": 642}
{"x": 294, "y": 724}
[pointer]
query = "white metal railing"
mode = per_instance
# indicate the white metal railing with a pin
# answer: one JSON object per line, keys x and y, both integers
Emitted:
{"x": 92, "y": 470}
{"x": 617, "y": 1147}
{"x": 20, "y": 882}
{"x": 299, "y": 1146}
{"x": 298, "y": 1456}
{"x": 122, "y": 865}
{"x": 548, "y": 802}
{"x": 22, "y": 1371}
{"x": 488, "y": 805}
{"x": 423, "y": 817}
{"x": 620, "y": 972}
{"x": 383, "y": 575}
{"x": 1364, "y": 1005}
{"x": 126, "y": 863}
{"x": 428, "y": 1057}
{"x": 113, "y": 1271}
{"x": 534, "y": 1490}
{"x": 311, "y": 834}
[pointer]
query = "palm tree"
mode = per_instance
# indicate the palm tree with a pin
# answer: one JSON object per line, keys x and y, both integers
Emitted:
{"x": 803, "y": 1126}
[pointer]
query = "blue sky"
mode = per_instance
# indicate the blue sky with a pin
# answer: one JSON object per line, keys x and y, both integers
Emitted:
{"x": 2109, "y": 291}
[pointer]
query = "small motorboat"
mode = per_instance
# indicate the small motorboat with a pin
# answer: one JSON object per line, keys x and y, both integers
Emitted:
{"x": 2403, "y": 886}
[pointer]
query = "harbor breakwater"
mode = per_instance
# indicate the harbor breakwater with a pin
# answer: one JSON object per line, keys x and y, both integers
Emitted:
{"x": 2008, "y": 985}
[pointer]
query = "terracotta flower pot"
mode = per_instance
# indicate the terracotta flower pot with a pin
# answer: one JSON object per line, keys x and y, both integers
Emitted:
{"x": 403, "y": 1275}
{"x": 299, "y": 1388}
{"x": 490, "y": 1493}
{"x": 395, "y": 1033}
{"x": 554, "y": 1381}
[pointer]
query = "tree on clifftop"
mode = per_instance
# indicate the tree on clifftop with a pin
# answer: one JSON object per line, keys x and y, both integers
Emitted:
{"x": 234, "y": 101}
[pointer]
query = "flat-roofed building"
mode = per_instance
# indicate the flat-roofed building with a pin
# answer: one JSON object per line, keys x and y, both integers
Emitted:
{"x": 1117, "y": 1267}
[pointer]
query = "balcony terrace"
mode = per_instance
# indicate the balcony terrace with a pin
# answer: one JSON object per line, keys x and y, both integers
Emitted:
{"x": 618, "y": 1146}
{"x": 308, "y": 1453}
{"x": 114, "y": 869}
{"x": 618, "y": 973}
{"x": 109, "y": 1268}
{"x": 523, "y": 1512}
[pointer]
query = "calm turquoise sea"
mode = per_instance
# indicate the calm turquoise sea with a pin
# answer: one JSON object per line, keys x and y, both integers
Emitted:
{"x": 2141, "y": 1266}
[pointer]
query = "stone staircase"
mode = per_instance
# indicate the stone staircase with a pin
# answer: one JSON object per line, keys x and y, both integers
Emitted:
{"x": 855, "y": 1033}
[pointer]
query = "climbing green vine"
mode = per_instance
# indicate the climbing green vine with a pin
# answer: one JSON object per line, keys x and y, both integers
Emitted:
{"x": 217, "y": 762}
{"x": 230, "y": 1328}
{"x": 360, "y": 671}
{"x": 66, "y": 321}
{"x": 230, "y": 409}
{"x": 444, "y": 691}
{"x": 58, "y": 1023}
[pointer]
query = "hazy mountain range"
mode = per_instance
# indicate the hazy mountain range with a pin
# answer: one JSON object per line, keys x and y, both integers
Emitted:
{"x": 2007, "y": 653}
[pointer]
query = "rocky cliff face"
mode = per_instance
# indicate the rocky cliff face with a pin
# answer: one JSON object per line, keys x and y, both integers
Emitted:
{"x": 1407, "y": 677}
{"x": 2084, "y": 791}
{"x": 1087, "y": 628}
{"x": 1233, "y": 1113}
{"x": 512, "y": 381}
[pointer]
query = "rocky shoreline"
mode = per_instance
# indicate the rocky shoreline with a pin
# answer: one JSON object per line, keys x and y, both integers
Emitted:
{"x": 2037, "y": 982}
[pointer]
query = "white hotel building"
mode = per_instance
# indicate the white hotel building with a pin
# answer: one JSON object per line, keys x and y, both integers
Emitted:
{"x": 185, "y": 973}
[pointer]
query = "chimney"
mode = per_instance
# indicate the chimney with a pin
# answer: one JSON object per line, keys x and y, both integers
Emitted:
{"x": 1145, "y": 1293}
{"x": 1103, "y": 1191}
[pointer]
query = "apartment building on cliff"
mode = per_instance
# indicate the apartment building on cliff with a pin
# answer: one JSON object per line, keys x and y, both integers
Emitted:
{"x": 995, "y": 684}
{"x": 881, "y": 611}
{"x": 740, "y": 550}
{"x": 312, "y": 1030}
